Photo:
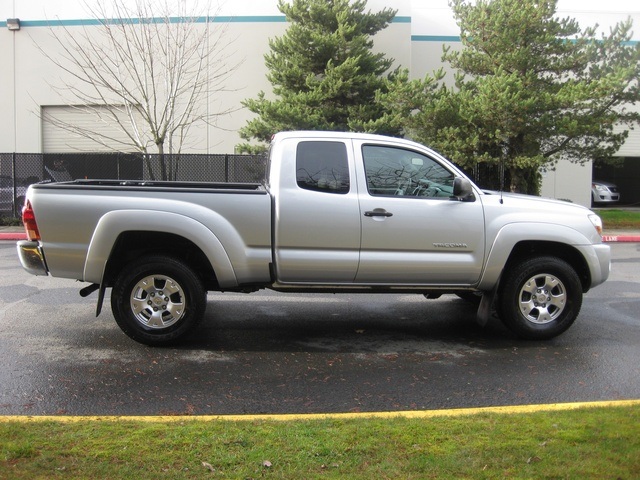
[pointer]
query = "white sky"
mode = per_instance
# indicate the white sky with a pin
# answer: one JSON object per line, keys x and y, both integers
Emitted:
{"x": 429, "y": 17}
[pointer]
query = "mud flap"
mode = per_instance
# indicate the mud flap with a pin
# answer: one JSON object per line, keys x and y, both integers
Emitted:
{"x": 100, "y": 299}
{"x": 88, "y": 290}
{"x": 484, "y": 309}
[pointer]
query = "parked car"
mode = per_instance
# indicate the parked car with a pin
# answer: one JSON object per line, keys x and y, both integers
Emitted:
{"x": 6, "y": 195}
{"x": 604, "y": 192}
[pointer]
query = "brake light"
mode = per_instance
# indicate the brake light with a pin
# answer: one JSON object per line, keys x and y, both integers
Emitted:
{"x": 29, "y": 222}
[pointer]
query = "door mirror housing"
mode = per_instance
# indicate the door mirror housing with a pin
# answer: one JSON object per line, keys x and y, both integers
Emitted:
{"x": 462, "y": 190}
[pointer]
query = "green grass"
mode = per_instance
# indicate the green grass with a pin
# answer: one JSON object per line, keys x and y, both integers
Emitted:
{"x": 584, "y": 443}
{"x": 615, "y": 218}
{"x": 10, "y": 221}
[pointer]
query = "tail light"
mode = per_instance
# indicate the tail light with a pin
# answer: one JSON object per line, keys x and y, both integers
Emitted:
{"x": 29, "y": 222}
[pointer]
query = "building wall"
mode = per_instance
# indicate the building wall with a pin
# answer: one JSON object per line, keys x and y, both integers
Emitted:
{"x": 414, "y": 40}
{"x": 568, "y": 181}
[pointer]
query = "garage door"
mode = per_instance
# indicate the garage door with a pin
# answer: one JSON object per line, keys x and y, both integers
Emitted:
{"x": 82, "y": 129}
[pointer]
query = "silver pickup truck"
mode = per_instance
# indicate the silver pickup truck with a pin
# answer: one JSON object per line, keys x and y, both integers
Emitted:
{"x": 338, "y": 212}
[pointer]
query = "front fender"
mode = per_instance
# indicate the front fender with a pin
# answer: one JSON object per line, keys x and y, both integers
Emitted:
{"x": 513, "y": 233}
{"x": 114, "y": 223}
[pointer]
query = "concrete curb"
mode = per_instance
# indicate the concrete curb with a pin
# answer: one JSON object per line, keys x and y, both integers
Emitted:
{"x": 620, "y": 238}
{"x": 15, "y": 236}
{"x": 12, "y": 236}
{"x": 412, "y": 414}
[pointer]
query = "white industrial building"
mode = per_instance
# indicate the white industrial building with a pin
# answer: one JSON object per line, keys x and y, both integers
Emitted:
{"x": 414, "y": 40}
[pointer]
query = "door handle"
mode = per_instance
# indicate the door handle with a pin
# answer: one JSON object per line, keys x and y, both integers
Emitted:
{"x": 378, "y": 212}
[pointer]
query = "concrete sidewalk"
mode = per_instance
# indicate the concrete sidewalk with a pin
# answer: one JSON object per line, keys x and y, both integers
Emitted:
{"x": 612, "y": 236}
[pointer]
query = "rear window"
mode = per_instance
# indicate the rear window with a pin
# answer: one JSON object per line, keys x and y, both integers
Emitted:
{"x": 323, "y": 167}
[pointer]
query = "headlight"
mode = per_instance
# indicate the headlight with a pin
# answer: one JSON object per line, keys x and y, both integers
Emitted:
{"x": 597, "y": 223}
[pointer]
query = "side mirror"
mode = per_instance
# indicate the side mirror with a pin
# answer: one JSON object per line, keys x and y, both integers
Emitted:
{"x": 462, "y": 190}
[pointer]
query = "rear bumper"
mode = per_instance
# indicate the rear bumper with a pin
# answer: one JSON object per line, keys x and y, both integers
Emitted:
{"x": 32, "y": 257}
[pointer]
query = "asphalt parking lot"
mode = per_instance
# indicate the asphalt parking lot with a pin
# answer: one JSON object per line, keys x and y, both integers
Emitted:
{"x": 277, "y": 353}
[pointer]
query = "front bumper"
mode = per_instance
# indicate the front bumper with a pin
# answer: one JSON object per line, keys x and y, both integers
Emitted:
{"x": 600, "y": 271}
{"x": 610, "y": 197}
{"x": 32, "y": 257}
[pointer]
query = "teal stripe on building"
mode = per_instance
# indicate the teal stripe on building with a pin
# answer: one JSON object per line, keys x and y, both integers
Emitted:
{"x": 214, "y": 19}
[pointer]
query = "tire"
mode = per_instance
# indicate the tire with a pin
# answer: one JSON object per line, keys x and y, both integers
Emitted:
{"x": 157, "y": 299}
{"x": 540, "y": 298}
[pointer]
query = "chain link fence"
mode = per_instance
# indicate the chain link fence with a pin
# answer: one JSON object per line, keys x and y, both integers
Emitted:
{"x": 19, "y": 170}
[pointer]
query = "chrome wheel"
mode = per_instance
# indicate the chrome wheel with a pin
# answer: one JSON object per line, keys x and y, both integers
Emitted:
{"x": 542, "y": 298}
{"x": 539, "y": 297}
{"x": 157, "y": 301}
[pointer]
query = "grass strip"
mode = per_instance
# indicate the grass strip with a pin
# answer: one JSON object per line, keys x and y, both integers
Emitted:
{"x": 589, "y": 442}
{"x": 615, "y": 218}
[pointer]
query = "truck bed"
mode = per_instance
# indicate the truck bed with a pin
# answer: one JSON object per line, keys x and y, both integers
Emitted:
{"x": 69, "y": 216}
{"x": 130, "y": 185}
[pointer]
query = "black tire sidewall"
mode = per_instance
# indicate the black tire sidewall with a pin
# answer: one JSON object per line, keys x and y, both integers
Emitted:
{"x": 512, "y": 283}
{"x": 195, "y": 299}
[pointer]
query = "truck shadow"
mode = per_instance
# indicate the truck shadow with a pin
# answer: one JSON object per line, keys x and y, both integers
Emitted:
{"x": 348, "y": 324}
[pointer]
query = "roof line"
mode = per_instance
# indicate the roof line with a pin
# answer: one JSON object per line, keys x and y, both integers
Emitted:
{"x": 199, "y": 19}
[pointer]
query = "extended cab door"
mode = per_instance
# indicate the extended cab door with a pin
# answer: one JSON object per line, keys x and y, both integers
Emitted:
{"x": 413, "y": 233}
{"x": 316, "y": 212}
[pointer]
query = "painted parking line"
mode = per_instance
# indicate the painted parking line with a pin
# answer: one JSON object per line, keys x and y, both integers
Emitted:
{"x": 413, "y": 414}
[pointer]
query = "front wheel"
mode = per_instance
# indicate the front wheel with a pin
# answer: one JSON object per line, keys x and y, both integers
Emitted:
{"x": 540, "y": 298}
{"x": 157, "y": 299}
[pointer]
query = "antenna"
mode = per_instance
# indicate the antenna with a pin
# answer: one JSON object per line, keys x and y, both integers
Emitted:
{"x": 501, "y": 172}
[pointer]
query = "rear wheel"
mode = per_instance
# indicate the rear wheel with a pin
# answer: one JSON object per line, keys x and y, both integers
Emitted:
{"x": 540, "y": 298}
{"x": 157, "y": 299}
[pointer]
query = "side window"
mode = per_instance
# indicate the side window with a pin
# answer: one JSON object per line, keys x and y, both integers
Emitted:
{"x": 398, "y": 172}
{"x": 322, "y": 167}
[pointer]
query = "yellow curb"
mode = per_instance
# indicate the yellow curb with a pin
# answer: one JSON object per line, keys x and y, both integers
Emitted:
{"x": 413, "y": 414}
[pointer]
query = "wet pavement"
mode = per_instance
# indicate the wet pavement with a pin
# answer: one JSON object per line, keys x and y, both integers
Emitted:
{"x": 283, "y": 353}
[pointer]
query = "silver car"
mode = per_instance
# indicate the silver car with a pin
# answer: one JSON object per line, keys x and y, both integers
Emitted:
{"x": 604, "y": 192}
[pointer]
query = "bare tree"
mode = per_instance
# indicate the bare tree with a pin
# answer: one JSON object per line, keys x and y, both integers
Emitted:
{"x": 152, "y": 69}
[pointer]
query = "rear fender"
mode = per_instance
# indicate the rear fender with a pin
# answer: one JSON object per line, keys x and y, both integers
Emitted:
{"x": 114, "y": 223}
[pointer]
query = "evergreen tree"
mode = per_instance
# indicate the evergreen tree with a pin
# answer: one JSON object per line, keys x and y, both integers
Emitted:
{"x": 323, "y": 71}
{"x": 530, "y": 89}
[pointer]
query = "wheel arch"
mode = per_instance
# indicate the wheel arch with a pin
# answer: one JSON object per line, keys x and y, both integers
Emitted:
{"x": 532, "y": 248}
{"x": 128, "y": 247}
{"x": 120, "y": 235}
{"x": 516, "y": 241}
